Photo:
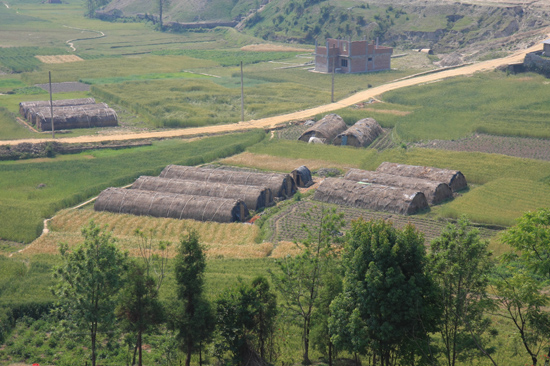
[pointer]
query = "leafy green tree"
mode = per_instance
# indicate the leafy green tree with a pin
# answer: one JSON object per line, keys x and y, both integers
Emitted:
{"x": 531, "y": 240}
{"x": 300, "y": 277}
{"x": 461, "y": 265}
{"x": 521, "y": 296}
{"x": 246, "y": 317}
{"x": 194, "y": 319}
{"x": 388, "y": 303}
{"x": 88, "y": 282}
{"x": 139, "y": 306}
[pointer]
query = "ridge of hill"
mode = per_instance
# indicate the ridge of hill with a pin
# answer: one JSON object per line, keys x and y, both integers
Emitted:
{"x": 474, "y": 28}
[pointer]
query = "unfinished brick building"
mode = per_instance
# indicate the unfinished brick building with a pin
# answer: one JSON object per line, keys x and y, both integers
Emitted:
{"x": 350, "y": 57}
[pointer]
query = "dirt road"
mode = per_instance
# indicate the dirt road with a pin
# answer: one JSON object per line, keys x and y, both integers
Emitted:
{"x": 300, "y": 115}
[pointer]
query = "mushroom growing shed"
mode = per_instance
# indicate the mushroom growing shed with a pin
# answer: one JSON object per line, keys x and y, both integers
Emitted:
{"x": 454, "y": 178}
{"x": 326, "y": 128}
{"x": 361, "y": 134}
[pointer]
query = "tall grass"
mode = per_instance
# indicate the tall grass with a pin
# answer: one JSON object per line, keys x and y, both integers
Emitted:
{"x": 68, "y": 182}
{"x": 9, "y": 127}
{"x": 229, "y": 57}
{"x": 490, "y": 103}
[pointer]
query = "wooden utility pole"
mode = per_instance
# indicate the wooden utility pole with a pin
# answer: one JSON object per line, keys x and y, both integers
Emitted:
{"x": 51, "y": 104}
{"x": 242, "y": 93}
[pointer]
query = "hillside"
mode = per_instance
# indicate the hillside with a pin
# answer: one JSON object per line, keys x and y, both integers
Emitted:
{"x": 472, "y": 28}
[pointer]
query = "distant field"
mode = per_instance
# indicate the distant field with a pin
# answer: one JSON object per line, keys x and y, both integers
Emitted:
{"x": 491, "y": 103}
{"x": 24, "y": 202}
{"x": 156, "y": 76}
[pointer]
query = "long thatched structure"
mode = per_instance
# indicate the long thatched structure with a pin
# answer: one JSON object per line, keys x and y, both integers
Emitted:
{"x": 361, "y": 134}
{"x": 172, "y": 205}
{"x": 25, "y": 106}
{"x": 254, "y": 197}
{"x": 32, "y": 112}
{"x": 327, "y": 128}
{"x": 75, "y": 117}
{"x": 435, "y": 192}
{"x": 454, "y": 178}
{"x": 302, "y": 177}
{"x": 371, "y": 196}
{"x": 281, "y": 185}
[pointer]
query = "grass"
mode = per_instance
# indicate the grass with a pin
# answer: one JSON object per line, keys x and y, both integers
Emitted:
{"x": 24, "y": 205}
{"x": 499, "y": 201}
{"x": 156, "y": 76}
{"x": 10, "y": 128}
{"x": 10, "y": 84}
{"x": 230, "y": 57}
{"x": 490, "y": 103}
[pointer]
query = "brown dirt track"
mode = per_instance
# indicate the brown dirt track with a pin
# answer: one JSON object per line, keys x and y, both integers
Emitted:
{"x": 308, "y": 113}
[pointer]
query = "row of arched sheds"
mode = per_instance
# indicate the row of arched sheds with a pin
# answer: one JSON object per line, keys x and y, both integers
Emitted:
{"x": 204, "y": 194}
{"x": 332, "y": 129}
{"x": 396, "y": 188}
{"x": 68, "y": 114}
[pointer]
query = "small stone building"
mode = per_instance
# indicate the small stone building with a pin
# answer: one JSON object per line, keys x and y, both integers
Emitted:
{"x": 546, "y": 47}
{"x": 351, "y": 57}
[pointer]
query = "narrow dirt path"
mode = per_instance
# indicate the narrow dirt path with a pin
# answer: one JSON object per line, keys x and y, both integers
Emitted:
{"x": 304, "y": 114}
{"x": 70, "y": 42}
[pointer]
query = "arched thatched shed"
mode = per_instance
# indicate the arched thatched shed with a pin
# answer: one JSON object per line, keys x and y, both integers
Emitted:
{"x": 454, "y": 178}
{"x": 77, "y": 118}
{"x": 435, "y": 192}
{"x": 361, "y": 134}
{"x": 371, "y": 196}
{"x": 254, "y": 197}
{"x": 326, "y": 128}
{"x": 302, "y": 177}
{"x": 24, "y": 106}
{"x": 281, "y": 185}
{"x": 172, "y": 205}
{"x": 32, "y": 112}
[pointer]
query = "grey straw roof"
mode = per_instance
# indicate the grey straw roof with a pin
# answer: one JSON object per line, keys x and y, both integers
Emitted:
{"x": 361, "y": 134}
{"x": 25, "y": 106}
{"x": 371, "y": 196}
{"x": 171, "y": 205}
{"x": 454, "y": 178}
{"x": 255, "y": 197}
{"x": 326, "y": 128}
{"x": 281, "y": 185}
{"x": 435, "y": 192}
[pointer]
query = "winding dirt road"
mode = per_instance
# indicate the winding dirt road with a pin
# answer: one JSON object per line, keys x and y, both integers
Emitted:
{"x": 300, "y": 115}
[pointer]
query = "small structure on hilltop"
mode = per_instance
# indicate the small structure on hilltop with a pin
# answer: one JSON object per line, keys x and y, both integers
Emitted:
{"x": 327, "y": 128}
{"x": 253, "y": 196}
{"x": 361, "y": 134}
{"x": 281, "y": 185}
{"x": 302, "y": 177}
{"x": 371, "y": 196}
{"x": 171, "y": 205}
{"x": 546, "y": 47}
{"x": 347, "y": 57}
{"x": 454, "y": 178}
{"x": 435, "y": 192}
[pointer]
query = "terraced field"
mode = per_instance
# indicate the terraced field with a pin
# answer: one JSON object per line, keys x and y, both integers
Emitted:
{"x": 287, "y": 225}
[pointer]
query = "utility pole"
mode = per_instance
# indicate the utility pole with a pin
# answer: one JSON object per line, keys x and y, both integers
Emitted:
{"x": 333, "y": 71}
{"x": 242, "y": 93}
{"x": 51, "y": 104}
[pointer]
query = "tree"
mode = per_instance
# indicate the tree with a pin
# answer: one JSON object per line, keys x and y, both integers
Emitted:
{"x": 300, "y": 277}
{"x": 388, "y": 303}
{"x": 461, "y": 264}
{"x": 162, "y": 5}
{"x": 193, "y": 317}
{"x": 93, "y": 5}
{"x": 139, "y": 306}
{"x": 88, "y": 281}
{"x": 246, "y": 317}
{"x": 521, "y": 296}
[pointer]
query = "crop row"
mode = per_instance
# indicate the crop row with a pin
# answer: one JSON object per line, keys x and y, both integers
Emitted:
{"x": 22, "y": 59}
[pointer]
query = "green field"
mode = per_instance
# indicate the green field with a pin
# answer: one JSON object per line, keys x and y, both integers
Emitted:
{"x": 25, "y": 203}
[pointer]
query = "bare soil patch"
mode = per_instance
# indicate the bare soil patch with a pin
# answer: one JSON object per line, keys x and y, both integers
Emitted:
{"x": 59, "y": 59}
{"x": 273, "y": 48}
{"x": 66, "y": 87}
{"x": 392, "y": 111}
{"x": 521, "y": 147}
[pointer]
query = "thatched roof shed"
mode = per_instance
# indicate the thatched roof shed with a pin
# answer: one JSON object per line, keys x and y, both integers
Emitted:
{"x": 77, "y": 118}
{"x": 361, "y": 134}
{"x": 254, "y": 197}
{"x": 177, "y": 206}
{"x": 281, "y": 185}
{"x": 24, "y": 106}
{"x": 302, "y": 177}
{"x": 33, "y": 111}
{"x": 326, "y": 128}
{"x": 371, "y": 196}
{"x": 454, "y": 178}
{"x": 435, "y": 192}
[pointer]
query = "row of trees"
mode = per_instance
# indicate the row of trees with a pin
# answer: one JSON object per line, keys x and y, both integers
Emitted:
{"x": 374, "y": 292}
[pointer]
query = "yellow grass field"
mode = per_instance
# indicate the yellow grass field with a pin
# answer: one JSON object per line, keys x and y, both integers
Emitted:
{"x": 233, "y": 240}
{"x": 59, "y": 59}
{"x": 276, "y": 163}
